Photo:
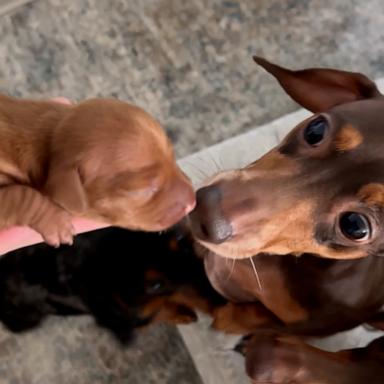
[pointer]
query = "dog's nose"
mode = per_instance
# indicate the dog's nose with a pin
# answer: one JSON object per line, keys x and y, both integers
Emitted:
{"x": 185, "y": 196}
{"x": 181, "y": 201}
{"x": 207, "y": 219}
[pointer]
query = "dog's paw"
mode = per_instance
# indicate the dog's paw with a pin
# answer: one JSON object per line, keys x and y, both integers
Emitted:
{"x": 56, "y": 228}
{"x": 222, "y": 318}
{"x": 275, "y": 360}
{"x": 185, "y": 318}
{"x": 226, "y": 319}
{"x": 174, "y": 313}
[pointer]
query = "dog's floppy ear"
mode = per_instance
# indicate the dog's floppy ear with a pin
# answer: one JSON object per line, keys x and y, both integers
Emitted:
{"x": 64, "y": 186}
{"x": 319, "y": 89}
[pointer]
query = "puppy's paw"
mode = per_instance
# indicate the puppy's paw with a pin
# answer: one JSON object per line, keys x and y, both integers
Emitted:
{"x": 241, "y": 318}
{"x": 173, "y": 313}
{"x": 222, "y": 318}
{"x": 185, "y": 318}
{"x": 226, "y": 319}
{"x": 56, "y": 228}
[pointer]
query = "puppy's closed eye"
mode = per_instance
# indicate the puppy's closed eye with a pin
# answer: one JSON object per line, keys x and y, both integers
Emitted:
{"x": 144, "y": 194}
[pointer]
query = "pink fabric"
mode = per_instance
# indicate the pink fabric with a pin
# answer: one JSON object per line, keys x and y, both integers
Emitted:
{"x": 18, "y": 237}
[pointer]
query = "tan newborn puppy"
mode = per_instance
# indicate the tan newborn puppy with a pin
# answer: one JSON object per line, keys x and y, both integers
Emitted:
{"x": 102, "y": 159}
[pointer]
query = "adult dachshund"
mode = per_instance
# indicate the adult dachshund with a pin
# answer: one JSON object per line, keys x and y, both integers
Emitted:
{"x": 304, "y": 225}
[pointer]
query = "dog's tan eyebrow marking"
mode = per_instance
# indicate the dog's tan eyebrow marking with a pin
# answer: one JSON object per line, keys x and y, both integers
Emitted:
{"x": 372, "y": 194}
{"x": 348, "y": 138}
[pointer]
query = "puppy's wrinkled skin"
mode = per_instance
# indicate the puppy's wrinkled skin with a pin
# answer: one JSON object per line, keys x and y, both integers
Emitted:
{"x": 101, "y": 159}
{"x": 293, "y": 199}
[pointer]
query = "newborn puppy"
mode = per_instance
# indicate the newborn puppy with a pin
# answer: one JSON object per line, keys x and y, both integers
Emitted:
{"x": 124, "y": 279}
{"x": 102, "y": 159}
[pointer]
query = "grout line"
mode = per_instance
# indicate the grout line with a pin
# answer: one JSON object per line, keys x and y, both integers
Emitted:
{"x": 7, "y": 6}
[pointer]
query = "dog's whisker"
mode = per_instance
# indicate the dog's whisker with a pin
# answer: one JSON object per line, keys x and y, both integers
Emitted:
{"x": 205, "y": 172}
{"x": 209, "y": 161}
{"x": 215, "y": 162}
{"x": 210, "y": 166}
{"x": 220, "y": 161}
{"x": 219, "y": 349}
{"x": 232, "y": 269}
{"x": 194, "y": 168}
{"x": 256, "y": 274}
{"x": 276, "y": 134}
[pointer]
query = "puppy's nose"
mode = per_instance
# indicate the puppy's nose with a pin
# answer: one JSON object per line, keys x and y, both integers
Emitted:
{"x": 179, "y": 208}
{"x": 189, "y": 207}
{"x": 207, "y": 219}
{"x": 183, "y": 196}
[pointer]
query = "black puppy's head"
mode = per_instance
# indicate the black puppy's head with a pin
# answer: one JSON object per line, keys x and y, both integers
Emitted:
{"x": 138, "y": 279}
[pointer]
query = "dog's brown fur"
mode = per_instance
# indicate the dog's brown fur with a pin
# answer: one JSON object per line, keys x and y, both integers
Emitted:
{"x": 290, "y": 203}
{"x": 292, "y": 200}
{"x": 102, "y": 159}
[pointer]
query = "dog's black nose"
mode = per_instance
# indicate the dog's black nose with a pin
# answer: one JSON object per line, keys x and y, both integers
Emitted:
{"x": 207, "y": 219}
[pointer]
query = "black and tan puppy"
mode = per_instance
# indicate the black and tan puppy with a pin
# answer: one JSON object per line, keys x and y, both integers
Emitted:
{"x": 125, "y": 280}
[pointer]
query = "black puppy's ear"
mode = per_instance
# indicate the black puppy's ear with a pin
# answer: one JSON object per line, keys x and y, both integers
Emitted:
{"x": 319, "y": 89}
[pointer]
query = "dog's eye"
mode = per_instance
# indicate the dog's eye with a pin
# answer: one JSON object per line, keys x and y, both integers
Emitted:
{"x": 315, "y": 131}
{"x": 156, "y": 286}
{"x": 355, "y": 226}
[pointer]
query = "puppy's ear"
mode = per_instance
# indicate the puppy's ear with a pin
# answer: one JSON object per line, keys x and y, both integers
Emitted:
{"x": 319, "y": 89}
{"x": 65, "y": 187}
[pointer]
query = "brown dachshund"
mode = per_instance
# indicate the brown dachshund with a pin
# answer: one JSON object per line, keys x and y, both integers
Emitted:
{"x": 318, "y": 195}
{"x": 102, "y": 159}
{"x": 306, "y": 296}
{"x": 320, "y": 191}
